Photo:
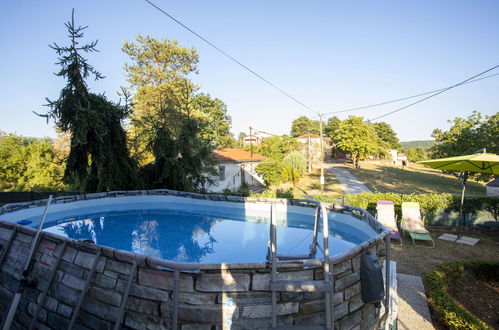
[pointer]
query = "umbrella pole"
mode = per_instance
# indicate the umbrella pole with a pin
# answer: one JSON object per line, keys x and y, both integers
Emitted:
{"x": 461, "y": 209}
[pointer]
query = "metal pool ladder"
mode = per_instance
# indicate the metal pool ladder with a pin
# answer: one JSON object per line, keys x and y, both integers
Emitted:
{"x": 325, "y": 285}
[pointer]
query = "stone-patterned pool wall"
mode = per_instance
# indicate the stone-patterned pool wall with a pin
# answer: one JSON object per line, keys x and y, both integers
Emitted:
{"x": 229, "y": 296}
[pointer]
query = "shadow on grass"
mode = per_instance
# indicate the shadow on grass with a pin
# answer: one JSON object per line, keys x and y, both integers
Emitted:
{"x": 410, "y": 180}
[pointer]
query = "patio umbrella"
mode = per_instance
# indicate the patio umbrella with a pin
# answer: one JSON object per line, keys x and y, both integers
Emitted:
{"x": 476, "y": 163}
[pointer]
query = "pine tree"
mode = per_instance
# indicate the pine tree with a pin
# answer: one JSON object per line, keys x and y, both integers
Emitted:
{"x": 98, "y": 159}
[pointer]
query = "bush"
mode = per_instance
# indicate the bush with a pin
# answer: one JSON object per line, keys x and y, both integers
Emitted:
{"x": 446, "y": 308}
{"x": 271, "y": 172}
{"x": 430, "y": 204}
{"x": 278, "y": 193}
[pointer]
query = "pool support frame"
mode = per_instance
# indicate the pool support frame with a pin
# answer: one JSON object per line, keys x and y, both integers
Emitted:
{"x": 179, "y": 268}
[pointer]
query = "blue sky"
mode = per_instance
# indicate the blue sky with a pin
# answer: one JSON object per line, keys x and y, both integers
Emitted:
{"x": 330, "y": 55}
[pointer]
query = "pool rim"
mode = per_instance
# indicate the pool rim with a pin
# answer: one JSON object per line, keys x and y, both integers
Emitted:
{"x": 356, "y": 212}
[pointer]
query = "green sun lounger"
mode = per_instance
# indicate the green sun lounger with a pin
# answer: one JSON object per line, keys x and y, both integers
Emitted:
{"x": 412, "y": 223}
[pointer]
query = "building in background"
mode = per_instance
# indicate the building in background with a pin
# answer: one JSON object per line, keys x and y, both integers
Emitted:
{"x": 236, "y": 167}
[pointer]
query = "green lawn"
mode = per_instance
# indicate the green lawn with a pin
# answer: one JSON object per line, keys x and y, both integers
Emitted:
{"x": 412, "y": 179}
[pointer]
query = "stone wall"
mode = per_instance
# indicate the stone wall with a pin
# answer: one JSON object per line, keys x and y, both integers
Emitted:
{"x": 230, "y": 297}
{"x": 209, "y": 299}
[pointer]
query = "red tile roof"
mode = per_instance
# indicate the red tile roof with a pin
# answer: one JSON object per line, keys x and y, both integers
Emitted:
{"x": 236, "y": 155}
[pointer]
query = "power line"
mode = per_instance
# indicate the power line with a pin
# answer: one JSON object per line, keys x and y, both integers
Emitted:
{"x": 233, "y": 59}
{"x": 435, "y": 94}
{"x": 405, "y": 98}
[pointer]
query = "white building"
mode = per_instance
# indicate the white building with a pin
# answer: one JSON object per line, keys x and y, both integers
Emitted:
{"x": 256, "y": 138}
{"x": 236, "y": 167}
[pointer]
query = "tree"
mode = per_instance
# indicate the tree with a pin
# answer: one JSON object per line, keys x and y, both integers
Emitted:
{"x": 183, "y": 161}
{"x": 158, "y": 77}
{"x": 416, "y": 154}
{"x": 331, "y": 126}
{"x": 467, "y": 135}
{"x": 357, "y": 137}
{"x": 29, "y": 164}
{"x": 302, "y": 125}
{"x": 240, "y": 139}
{"x": 276, "y": 147}
{"x": 295, "y": 165}
{"x": 98, "y": 159}
{"x": 387, "y": 134}
{"x": 215, "y": 120}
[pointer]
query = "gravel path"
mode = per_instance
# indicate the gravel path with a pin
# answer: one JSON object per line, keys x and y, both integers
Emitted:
{"x": 349, "y": 183}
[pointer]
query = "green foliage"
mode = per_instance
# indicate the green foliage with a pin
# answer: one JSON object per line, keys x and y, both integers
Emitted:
{"x": 174, "y": 130}
{"x": 183, "y": 161}
{"x": 294, "y": 166}
{"x": 296, "y": 161}
{"x": 271, "y": 171}
{"x": 467, "y": 135}
{"x": 438, "y": 281}
{"x": 302, "y": 125}
{"x": 276, "y": 147}
{"x": 98, "y": 159}
{"x": 332, "y": 125}
{"x": 158, "y": 76}
{"x": 215, "y": 121}
{"x": 29, "y": 164}
{"x": 358, "y": 138}
{"x": 416, "y": 154}
{"x": 426, "y": 144}
{"x": 278, "y": 193}
{"x": 387, "y": 134}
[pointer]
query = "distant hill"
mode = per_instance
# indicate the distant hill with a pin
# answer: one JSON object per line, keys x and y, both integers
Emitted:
{"x": 420, "y": 143}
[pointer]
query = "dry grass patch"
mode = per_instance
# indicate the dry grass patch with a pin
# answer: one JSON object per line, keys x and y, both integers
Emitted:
{"x": 412, "y": 179}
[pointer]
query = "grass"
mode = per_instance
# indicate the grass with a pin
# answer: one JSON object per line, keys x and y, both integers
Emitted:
{"x": 412, "y": 179}
{"x": 418, "y": 261}
{"x": 309, "y": 184}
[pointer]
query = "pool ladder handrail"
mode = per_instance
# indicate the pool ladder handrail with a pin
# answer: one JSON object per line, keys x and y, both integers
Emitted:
{"x": 325, "y": 285}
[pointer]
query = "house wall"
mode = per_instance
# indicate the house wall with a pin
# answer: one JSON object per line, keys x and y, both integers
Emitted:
{"x": 231, "y": 181}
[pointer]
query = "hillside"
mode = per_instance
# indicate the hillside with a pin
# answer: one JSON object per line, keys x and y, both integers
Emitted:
{"x": 419, "y": 143}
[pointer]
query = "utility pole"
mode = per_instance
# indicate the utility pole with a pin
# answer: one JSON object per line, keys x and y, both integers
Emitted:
{"x": 251, "y": 142}
{"x": 322, "y": 155}
{"x": 309, "y": 154}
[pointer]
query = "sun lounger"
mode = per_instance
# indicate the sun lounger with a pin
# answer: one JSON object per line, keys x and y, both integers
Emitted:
{"x": 412, "y": 223}
{"x": 385, "y": 213}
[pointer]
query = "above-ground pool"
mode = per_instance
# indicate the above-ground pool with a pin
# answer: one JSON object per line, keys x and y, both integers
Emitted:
{"x": 199, "y": 231}
{"x": 166, "y": 259}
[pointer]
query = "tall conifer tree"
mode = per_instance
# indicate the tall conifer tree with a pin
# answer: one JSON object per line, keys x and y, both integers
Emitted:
{"x": 98, "y": 159}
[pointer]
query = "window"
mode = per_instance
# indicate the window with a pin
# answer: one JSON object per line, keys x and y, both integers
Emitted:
{"x": 221, "y": 172}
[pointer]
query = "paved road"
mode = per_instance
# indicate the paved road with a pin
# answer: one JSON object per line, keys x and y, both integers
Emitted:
{"x": 349, "y": 183}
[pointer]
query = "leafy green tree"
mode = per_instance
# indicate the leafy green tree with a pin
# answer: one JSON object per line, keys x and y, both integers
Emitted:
{"x": 467, "y": 135}
{"x": 302, "y": 125}
{"x": 158, "y": 76}
{"x": 387, "y": 134}
{"x": 416, "y": 154}
{"x": 357, "y": 137}
{"x": 182, "y": 161}
{"x": 98, "y": 159}
{"x": 331, "y": 126}
{"x": 174, "y": 129}
{"x": 29, "y": 164}
{"x": 276, "y": 147}
{"x": 271, "y": 171}
{"x": 240, "y": 139}
{"x": 215, "y": 120}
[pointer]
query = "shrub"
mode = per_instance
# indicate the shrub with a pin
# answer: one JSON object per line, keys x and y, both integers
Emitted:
{"x": 271, "y": 172}
{"x": 446, "y": 308}
{"x": 278, "y": 193}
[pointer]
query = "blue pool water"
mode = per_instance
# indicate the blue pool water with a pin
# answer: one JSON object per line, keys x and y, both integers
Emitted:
{"x": 200, "y": 237}
{"x": 187, "y": 230}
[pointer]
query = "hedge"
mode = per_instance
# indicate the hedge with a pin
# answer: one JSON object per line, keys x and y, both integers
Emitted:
{"x": 449, "y": 311}
{"x": 430, "y": 203}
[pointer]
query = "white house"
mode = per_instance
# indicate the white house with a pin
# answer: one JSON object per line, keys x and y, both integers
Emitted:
{"x": 256, "y": 138}
{"x": 236, "y": 166}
